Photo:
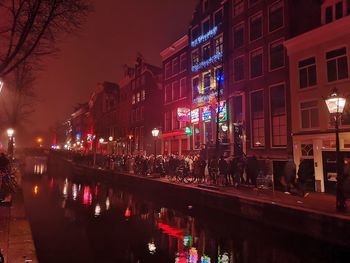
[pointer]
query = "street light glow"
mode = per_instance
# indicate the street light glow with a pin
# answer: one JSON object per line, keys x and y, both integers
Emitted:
{"x": 155, "y": 132}
{"x": 10, "y": 132}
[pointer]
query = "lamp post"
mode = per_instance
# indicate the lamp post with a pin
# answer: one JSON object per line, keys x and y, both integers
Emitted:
{"x": 10, "y": 133}
{"x": 155, "y": 133}
{"x": 335, "y": 104}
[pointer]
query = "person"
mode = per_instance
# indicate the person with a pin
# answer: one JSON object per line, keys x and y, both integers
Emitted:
{"x": 223, "y": 167}
{"x": 252, "y": 170}
{"x": 202, "y": 165}
{"x": 213, "y": 170}
{"x": 305, "y": 172}
{"x": 4, "y": 163}
{"x": 289, "y": 175}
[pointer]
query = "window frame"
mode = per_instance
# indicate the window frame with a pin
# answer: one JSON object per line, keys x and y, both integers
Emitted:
{"x": 244, "y": 75}
{"x": 234, "y": 5}
{"x": 202, "y": 25}
{"x": 251, "y": 120}
{"x": 183, "y": 80}
{"x": 221, "y": 9}
{"x": 168, "y": 64}
{"x": 183, "y": 55}
{"x": 298, "y": 68}
{"x": 262, "y": 63}
{"x": 283, "y": 16}
{"x": 257, "y": 14}
{"x": 285, "y": 113}
{"x": 300, "y": 114}
{"x": 347, "y": 61}
{"x": 238, "y": 26}
{"x": 173, "y": 64}
{"x": 281, "y": 40}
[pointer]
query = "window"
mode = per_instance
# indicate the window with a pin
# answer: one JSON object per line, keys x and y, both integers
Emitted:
{"x": 195, "y": 58}
{"x": 206, "y": 52}
{"x": 183, "y": 89}
{"x": 339, "y": 10}
{"x": 276, "y": 55}
{"x": 206, "y": 82}
{"x": 345, "y": 118}
{"x": 205, "y": 5}
{"x": 175, "y": 122}
{"x": 176, "y": 90}
{"x": 133, "y": 101}
{"x": 138, "y": 97}
{"x": 255, "y": 27}
{"x": 309, "y": 114}
{"x": 218, "y": 17}
{"x": 194, "y": 33}
{"x": 167, "y": 70}
{"x": 219, "y": 44}
{"x": 238, "y": 69}
{"x": 195, "y": 87}
{"x": 238, "y": 36}
{"x": 205, "y": 26}
{"x": 167, "y": 121}
{"x": 337, "y": 64}
{"x": 253, "y": 2}
{"x": 257, "y": 112}
{"x": 329, "y": 14}
{"x": 278, "y": 115}
{"x": 143, "y": 94}
{"x": 307, "y": 150}
{"x": 307, "y": 73}
{"x": 168, "y": 93}
{"x": 335, "y": 11}
{"x": 175, "y": 65}
{"x": 276, "y": 16}
{"x": 256, "y": 63}
{"x": 238, "y": 7}
{"x": 183, "y": 62}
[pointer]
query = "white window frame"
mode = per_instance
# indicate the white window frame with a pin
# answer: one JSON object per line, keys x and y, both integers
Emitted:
{"x": 347, "y": 61}
{"x": 270, "y": 115}
{"x": 222, "y": 44}
{"x": 268, "y": 16}
{"x": 258, "y": 14}
{"x": 250, "y": 62}
{"x": 281, "y": 41}
{"x": 210, "y": 50}
{"x": 195, "y": 51}
{"x": 298, "y": 71}
{"x": 300, "y": 114}
{"x": 251, "y": 120}
{"x": 333, "y": 3}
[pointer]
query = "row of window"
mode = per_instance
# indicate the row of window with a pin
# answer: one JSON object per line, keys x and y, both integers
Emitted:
{"x": 206, "y": 24}
{"x": 138, "y": 82}
{"x": 174, "y": 91}
{"x": 171, "y": 121}
{"x": 177, "y": 65}
{"x": 207, "y": 50}
{"x": 139, "y": 96}
{"x": 335, "y": 11}
{"x": 336, "y": 64}
{"x": 276, "y": 60}
{"x": 137, "y": 114}
{"x": 275, "y": 21}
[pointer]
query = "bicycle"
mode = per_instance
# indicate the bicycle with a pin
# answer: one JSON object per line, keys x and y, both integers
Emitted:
{"x": 183, "y": 175}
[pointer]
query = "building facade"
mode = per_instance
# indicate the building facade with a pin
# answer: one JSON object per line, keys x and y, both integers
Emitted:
{"x": 317, "y": 66}
{"x": 208, "y": 64}
{"x": 176, "y": 98}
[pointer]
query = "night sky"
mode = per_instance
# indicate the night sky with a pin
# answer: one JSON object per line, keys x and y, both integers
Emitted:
{"x": 111, "y": 37}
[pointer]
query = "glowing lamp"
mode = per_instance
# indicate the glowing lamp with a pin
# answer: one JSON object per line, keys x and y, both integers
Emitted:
{"x": 101, "y": 140}
{"x": 10, "y": 132}
{"x": 155, "y": 132}
{"x": 224, "y": 127}
{"x": 335, "y": 102}
{"x": 1, "y": 84}
{"x": 110, "y": 138}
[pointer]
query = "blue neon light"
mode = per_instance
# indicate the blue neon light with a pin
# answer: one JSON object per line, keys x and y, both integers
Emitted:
{"x": 207, "y": 62}
{"x": 202, "y": 38}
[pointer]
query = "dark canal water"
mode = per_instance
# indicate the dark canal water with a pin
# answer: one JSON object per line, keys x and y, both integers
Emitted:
{"x": 74, "y": 221}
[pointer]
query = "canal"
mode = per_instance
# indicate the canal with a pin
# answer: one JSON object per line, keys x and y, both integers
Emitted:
{"x": 77, "y": 221}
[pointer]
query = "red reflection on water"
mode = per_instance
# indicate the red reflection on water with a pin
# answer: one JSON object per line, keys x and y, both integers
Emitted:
{"x": 96, "y": 190}
{"x": 127, "y": 213}
{"x": 87, "y": 198}
{"x": 51, "y": 183}
{"x": 171, "y": 231}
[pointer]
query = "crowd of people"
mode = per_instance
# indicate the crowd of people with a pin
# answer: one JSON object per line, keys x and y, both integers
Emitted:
{"x": 218, "y": 171}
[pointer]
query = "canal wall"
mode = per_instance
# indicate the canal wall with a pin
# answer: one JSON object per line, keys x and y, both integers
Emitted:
{"x": 333, "y": 228}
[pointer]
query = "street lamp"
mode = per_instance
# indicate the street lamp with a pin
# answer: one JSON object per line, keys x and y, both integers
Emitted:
{"x": 335, "y": 104}
{"x": 1, "y": 84}
{"x": 155, "y": 133}
{"x": 10, "y": 133}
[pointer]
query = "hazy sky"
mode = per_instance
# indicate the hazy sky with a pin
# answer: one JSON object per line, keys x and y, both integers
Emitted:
{"x": 111, "y": 37}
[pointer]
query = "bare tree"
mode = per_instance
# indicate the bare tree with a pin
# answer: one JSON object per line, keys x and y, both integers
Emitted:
{"x": 29, "y": 28}
{"x": 19, "y": 99}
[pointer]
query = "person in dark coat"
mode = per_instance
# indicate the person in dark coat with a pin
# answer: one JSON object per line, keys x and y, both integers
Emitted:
{"x": 305, "y": 173}
{"x": 289, "y": 176}
{"x": 252, "y": 170}
{"x": 223, "y": 167}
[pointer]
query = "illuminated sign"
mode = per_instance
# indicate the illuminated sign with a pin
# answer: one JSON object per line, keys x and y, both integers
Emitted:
{"x": 195, "y": 115}
{"x": 188, "y": 131}
{"x": 78, "y": 136}
{"x": 206, "y": 113}
{"x": 183, "y": 114}
{"x": 202, "y": 38}
{"x": 222, "y": 111}
{"x": 217, "y": 57}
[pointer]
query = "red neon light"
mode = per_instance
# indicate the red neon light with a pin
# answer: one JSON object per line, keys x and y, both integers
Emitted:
{"x": 171, "y": 231}
{"x": 171, "y": 134}
{"x": 127, "y": 212}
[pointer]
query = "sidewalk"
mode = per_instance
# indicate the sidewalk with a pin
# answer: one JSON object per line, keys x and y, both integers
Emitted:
{"x": 16, "y": 242}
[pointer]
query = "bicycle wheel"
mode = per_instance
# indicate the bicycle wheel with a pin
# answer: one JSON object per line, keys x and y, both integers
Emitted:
{"x": 179, "y": 176}
{"x": 188, "y": 178}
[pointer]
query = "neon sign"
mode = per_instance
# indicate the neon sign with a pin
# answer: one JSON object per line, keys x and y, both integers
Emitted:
{"x": 222, "y": 111}
{"x": 204, "y": 37}
{"x": 195, "y": 115}
{"x": 217, "y": 57}
{"x": 183, "y": 114}
{"x": 206, "y": 113}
